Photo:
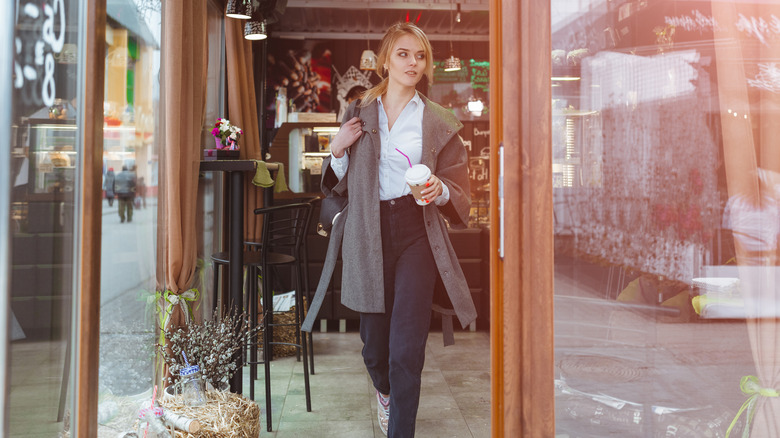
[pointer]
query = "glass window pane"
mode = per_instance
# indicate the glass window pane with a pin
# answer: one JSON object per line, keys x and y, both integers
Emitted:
{"x": 666, "y": 213}
{"x": 45, "y": 158}
{"x": 131, "y": 150}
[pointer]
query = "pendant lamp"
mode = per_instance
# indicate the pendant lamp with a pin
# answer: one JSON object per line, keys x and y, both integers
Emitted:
{"x": 453, "y": 62}
{"x": 255, "y": 30}
{"x": 240, "y": 9}
{"x": 475, "y": 107}
{"x": 368, "y": 60}
{"x": 368, "y": 57}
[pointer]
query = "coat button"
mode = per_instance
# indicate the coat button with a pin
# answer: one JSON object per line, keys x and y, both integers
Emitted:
{"x": 373, "y": 131}
{"x": 449, "y": 131}
{"x": 363, "y": 123}
{"x": 392, "y": 202}
{"x": 446, "y": 272}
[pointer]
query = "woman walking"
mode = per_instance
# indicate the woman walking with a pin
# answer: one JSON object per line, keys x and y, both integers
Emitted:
{"x": 393, "y": 249}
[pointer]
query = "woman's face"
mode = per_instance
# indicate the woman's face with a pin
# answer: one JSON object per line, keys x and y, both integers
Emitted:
{"x": 406, "y": 61}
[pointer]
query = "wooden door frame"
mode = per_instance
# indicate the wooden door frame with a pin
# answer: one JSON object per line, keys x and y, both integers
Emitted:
{"x": 521, "y": 282}
{"x": 86, "y": 329}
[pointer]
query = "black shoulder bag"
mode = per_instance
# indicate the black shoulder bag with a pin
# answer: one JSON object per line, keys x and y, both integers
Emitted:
{"x": 334, "y": 202}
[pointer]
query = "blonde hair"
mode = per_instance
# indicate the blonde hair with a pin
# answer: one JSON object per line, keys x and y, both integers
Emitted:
{"x": 392, "y": 35}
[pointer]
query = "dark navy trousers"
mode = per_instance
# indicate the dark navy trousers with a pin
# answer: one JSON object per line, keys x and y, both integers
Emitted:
{"x": 394, "y": 341}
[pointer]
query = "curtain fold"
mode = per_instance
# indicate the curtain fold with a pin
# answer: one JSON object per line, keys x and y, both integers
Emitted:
{"x": 752, "y": 163}
{"x": 242, "y": 111}
{"x": 184, "y": 75}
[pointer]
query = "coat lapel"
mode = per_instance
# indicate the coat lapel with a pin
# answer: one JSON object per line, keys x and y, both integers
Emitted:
{"x": 438, "y": 130}
{"x": 370, "y": 120}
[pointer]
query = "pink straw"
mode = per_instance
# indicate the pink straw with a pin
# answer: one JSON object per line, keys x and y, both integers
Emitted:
{"x": 407, "y": 157}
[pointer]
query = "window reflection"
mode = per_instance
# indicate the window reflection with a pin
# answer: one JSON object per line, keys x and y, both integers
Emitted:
{"x": 666, "y": 216}
{"x": 44, "y": 159}
{"x": 131, "y": 151}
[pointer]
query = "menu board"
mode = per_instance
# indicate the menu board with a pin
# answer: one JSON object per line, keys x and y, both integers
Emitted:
{"x": 479, "y": 75}
{"x": 475, "y": 72}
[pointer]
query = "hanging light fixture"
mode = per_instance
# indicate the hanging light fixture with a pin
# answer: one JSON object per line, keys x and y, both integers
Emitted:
{"x": 453, "y": 62}
{"x": 255, "y": 30}
{"x": 475, "y": 107}
{"x": 240, "y": 9}
{"x": 368, "y": 57}
{"x": 368, "y": 60}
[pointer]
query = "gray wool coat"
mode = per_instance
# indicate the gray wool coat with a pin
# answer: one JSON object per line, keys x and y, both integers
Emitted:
{"x": 357, "y": 229}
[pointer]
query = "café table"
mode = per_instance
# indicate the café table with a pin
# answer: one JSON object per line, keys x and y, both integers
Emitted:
{"x": 235, "y": 169}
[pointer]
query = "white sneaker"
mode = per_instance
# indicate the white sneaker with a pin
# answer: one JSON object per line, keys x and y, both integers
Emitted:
{"x": 382, "y": 411}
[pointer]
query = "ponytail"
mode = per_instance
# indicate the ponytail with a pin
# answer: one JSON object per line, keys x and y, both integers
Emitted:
{"x": 373, "y": 93}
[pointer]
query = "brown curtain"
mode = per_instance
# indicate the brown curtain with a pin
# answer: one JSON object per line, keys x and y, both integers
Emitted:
{"x": 752, "y": 164}
{"x": 242, "y": 111}
{"x": 184, "y": 74}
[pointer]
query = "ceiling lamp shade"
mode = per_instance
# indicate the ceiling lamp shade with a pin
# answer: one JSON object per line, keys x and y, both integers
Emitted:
{"x": 239, "y": 9}
{"x": 255, "y": 30}
{"x": 368, "y": 60}
{"x": 452, "y": 63}
{"x": 475, "y": 107}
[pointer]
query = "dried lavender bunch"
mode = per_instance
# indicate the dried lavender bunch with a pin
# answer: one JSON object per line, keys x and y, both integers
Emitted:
{"x": 211, "y": 345}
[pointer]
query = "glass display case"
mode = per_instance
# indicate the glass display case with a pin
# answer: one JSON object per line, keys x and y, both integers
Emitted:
{"x": 308, "y": 145}
{"x": 52, "y": 155}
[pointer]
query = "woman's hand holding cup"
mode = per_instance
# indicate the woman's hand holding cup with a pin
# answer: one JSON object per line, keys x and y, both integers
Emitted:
{"x": 433, "y": 189}
{"x": 348, "y": 134}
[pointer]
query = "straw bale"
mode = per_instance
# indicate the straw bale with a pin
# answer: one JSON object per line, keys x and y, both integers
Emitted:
{"x": 285, "y": 333}
{"x": 225, "y": 415}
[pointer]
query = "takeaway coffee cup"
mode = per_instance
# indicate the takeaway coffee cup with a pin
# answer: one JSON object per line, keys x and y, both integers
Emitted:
{"x": 416, "y": 177}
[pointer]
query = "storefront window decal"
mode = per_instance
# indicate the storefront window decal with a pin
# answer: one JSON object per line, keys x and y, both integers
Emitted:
{"x": 52, "y": 33}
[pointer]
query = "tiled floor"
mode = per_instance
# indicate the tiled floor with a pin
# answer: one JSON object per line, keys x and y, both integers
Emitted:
{"x": 455, "y": 399}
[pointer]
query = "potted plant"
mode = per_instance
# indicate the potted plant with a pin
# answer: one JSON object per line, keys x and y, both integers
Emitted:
{"x": 210, "y": 344}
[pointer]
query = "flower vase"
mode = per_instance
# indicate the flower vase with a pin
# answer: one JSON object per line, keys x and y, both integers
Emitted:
{"x": 221, "y": 152}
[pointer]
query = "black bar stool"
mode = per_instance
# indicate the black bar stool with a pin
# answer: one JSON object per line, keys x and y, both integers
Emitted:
{"x": 283, "y": 235}
{"x": 284, "y": 227}
{"x": 288, "y": 245}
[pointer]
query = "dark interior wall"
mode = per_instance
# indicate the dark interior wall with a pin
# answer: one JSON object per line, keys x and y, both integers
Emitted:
{"x": 346, "y": 53}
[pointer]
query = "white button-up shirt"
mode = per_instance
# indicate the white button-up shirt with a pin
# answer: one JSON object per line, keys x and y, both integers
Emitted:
{"x": 406, "y": 136}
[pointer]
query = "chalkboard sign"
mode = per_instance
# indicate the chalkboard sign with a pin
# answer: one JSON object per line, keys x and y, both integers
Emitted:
{"x": 479, "y": 74}
{"x": 475, "y": 72}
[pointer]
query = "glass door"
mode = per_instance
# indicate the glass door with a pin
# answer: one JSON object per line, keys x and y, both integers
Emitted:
{"x": 666, "y": 213}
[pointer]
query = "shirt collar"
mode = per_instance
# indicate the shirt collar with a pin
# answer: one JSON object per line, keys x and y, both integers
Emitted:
{"x": 416, "y": 99}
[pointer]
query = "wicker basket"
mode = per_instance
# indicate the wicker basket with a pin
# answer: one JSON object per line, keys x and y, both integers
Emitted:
{"x": 285, "y": 333}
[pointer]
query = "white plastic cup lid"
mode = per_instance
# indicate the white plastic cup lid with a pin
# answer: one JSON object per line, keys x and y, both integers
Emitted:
{"x": 417, "y": 174}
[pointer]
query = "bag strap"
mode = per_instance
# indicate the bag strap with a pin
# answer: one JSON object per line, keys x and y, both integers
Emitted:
{"x": 334, "y": 245}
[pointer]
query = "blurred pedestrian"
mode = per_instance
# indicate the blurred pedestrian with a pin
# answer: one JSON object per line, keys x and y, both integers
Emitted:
{"x": 124, "y": 186}
{"x": 141, "y": 193}
{"x": 108, "y": 185}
